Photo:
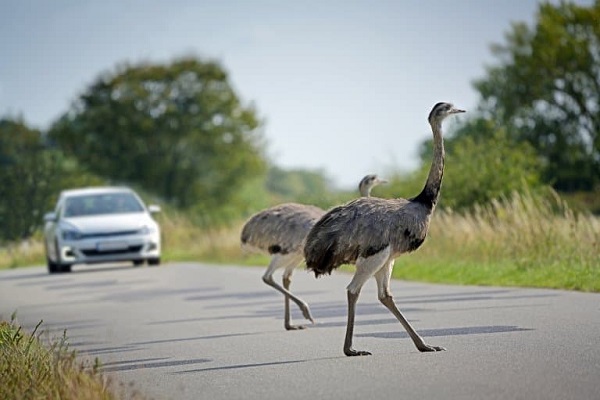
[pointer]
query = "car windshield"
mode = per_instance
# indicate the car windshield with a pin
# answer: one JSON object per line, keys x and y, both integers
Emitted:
{"x": 99, "y": 204}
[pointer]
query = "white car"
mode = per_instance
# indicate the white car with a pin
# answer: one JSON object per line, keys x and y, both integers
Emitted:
{"x": 99, "y": 225}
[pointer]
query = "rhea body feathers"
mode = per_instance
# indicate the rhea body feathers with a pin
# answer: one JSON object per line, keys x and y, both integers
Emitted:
{"x": 281, "y": 229}
{"x": 364, "y": 227}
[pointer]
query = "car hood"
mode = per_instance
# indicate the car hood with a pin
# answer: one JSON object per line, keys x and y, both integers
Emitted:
{"x": 110, "y": 223}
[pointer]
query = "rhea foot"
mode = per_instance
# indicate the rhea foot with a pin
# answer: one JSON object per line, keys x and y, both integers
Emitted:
{"x": 427, "y": 348}
{"x": 306, "y": 313}
{"x": 290, "y": 327}
{"x": 352, "y": 352}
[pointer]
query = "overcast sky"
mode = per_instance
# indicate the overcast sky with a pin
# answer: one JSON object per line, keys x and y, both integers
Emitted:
{"x": 344, "y": 86}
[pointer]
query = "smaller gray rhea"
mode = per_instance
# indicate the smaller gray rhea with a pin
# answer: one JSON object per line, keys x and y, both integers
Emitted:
{"x": 281, "y": 231}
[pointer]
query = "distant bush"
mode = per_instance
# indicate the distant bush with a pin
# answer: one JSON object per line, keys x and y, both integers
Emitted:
{"x": 477, "y": 170}
{"x": 483, "y": 169}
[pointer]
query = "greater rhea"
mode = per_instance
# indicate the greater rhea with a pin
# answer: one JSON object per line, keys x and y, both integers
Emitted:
{"x": 280, "y": 231}
{"x": 372, "y": 232}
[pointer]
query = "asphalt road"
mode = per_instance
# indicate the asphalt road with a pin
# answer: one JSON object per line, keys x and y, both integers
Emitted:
{"x": 193, "y": 331}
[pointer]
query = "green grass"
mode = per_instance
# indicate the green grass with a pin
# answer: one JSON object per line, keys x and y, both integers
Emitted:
{"x": 524, "y": 240}
{"x": 30, "y": 369}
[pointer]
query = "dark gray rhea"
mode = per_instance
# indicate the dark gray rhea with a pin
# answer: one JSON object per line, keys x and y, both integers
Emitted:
{"x": 371, "y": 233}
{"x": 280, "y": 231}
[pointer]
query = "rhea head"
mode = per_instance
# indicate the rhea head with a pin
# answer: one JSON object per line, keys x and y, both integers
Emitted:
{"x": 442, "y": 110}
{"x": 369, "y": 182}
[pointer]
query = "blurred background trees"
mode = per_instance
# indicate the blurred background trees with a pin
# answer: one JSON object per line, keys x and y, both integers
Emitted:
{"x": 179, "y": 132}
{"x": 31, "y": 174}
{"x": 26, "y": 171}
{"x": 538, "y": 119}
{"x": 545, "y": 91}
{"x": 480, "y": 167}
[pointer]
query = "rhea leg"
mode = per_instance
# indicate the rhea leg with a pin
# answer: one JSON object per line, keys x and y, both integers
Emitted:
{"x": 279, "y": 261}
{"x": 383, "y": 277}
{"x": 287, "y": 279}
{"x": 365, "y": 268}
{"x": 348, "y": 350}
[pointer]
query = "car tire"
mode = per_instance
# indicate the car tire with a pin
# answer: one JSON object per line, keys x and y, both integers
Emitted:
{"x": 57, "y": 267}
{"x": 154, "y": 261}
{"x": 137, "y": 263}
{"x": 64, "y": 268}
{"x": 52, "y": 266}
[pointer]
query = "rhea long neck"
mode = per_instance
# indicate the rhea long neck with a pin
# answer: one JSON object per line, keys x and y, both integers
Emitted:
{"x": 365, "y": 191}
{"x": 431, "y": 192}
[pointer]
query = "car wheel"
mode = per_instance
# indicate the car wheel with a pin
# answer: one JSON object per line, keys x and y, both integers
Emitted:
{"x": 154, "y": 261}
{"x": 58, "y": 267}
{"x": 52, "y": 267}
{"x": 64, "y": 268}
{"x": 137, "y": 263}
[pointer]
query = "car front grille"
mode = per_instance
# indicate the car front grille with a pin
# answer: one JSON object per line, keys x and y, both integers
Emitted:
{"x": 93, "y": 235}
{"x": 95, "y": 253}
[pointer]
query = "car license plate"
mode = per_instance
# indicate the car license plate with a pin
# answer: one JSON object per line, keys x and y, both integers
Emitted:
{"x": 111, "y": 246}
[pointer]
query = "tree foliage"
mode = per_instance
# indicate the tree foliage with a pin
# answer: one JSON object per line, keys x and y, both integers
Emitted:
{"x": 27, "y": 179}
{"x": 545, "y": 88}
{"x": 482, "y": 164}
{"x": 483, "y": 169}
{"x": 178, "y": 130}
{"x": 31, "y": 177}
{"x": 299, "y": 185}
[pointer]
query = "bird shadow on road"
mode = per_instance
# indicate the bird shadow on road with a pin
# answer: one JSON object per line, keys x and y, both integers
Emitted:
{"x": 111, "y": 349}
{"x": 194, "y": 338}
{"x": 468, "y": 330}
{"x": 161, "y": 362}
{"x": 245, "y": 296}
{"x": 254, "y": 365}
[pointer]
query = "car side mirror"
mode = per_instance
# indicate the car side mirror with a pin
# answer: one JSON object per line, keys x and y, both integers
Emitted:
{"x": 153, "y": 209}
{"x": 50, "y": 217}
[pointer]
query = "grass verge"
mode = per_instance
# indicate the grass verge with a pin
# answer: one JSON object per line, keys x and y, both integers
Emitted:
{"x": 31, "y": 370}
{"x": 523, "y": 240}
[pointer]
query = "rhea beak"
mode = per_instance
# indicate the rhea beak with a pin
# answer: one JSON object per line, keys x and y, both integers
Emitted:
{"x": 456, "y": 111}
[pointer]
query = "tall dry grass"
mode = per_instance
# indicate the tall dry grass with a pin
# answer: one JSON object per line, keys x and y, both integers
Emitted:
{"x": 21, "y": 254}
{"x": 525, "y": 239}
{"x": 182, "y": 240}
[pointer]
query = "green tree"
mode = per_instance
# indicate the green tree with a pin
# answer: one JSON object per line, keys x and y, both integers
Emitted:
{"x": 482, "y": 169}
{"x": 177, "y": 130}
{"x": 482, "y": 164}
{"x": 299, "y": 185}
{"x": 32, "y": 174}
{"x": 27, "y": 179}
{"x": 545, "y": 88}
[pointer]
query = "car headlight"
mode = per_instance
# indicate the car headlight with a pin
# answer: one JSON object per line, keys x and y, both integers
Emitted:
{"x": 146, "y": 230}
{"x": 71, "y": 235}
